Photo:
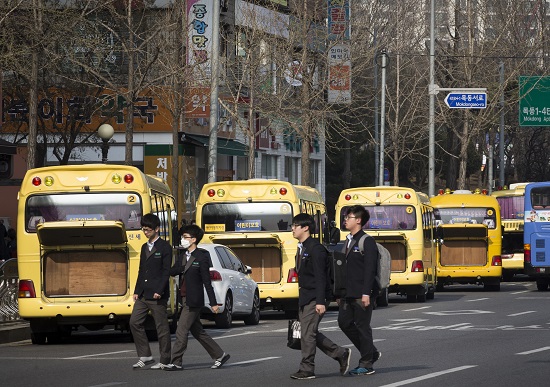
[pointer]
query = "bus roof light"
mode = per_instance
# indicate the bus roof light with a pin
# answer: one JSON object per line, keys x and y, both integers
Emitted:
{"x": 347, "y": 197}
{"x": 116, "y": 178}
{"x": 407, "y": 196}
{"x": 36, "y": 181}
{"x": 441, "y": 191}
{"x": 484, "y": 191}
{"x": 283, "y": 191}
{"x": 128, "y": 178}
{"x": 221, "y": 193}
{"x": 211, "y": 192}
{"x": 48, "y": 181}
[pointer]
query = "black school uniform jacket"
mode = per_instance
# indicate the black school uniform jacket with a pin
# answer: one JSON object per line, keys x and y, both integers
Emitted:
{"x": 154, "y": 270}
{"x": 361, "y": 268}
{"x": 312, "y": 273}
{"x": 196, "y": 274}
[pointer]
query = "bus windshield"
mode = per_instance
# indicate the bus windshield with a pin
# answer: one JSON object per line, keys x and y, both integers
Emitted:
{"x": 471, "y": 215}
{"x": 122, "y": 206}
{"x": 259, "y": 216}
{"x": 388, "y": 217}
{"x": 511, "y": 207}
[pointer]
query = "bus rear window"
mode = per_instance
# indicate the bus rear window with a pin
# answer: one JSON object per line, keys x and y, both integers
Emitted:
{"x": 540, "y": 198}
{"x": 389, "y": 217}
{"x": 468, "y": 215}
{"x": 247, "y": 217}
{"x": 125, "y": 207}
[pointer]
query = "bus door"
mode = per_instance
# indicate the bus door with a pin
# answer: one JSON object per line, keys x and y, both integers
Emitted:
{"x": 262, "y": 252}
{"x": 397, "y": 246}
{"x": 83, "y": 259}
{"x": 463, "y": 244}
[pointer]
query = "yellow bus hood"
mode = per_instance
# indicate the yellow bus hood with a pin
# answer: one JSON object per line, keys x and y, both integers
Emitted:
{"x": 73, "y": 233}
{"x": 463, "y": 231}
{"x": 246, "y": 239}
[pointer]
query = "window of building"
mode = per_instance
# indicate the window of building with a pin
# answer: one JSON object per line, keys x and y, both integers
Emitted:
{"x": 314, "y": 172}
{"x": 269, "y": 166}
{"x": 291, "y": 169}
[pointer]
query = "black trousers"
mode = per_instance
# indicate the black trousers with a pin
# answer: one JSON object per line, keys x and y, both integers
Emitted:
{"x": 354, "y": 321}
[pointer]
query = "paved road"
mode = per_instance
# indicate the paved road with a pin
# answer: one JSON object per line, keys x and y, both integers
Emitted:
{"x": 464, "y": 337}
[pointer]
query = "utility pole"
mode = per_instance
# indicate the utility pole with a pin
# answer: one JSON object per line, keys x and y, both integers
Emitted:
{"x": 431, "y": 92}
{"x": 501, "y": 127}
{"x": 376, "y": 126}
{"x": 214, "y": 83}
{"x": 382, "y": 118}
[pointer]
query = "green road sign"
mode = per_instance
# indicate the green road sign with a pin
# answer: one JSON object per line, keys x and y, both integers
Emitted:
{"x": 534, "y": 101}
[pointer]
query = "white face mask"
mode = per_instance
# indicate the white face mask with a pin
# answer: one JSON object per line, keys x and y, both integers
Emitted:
{"x": 185, "y": 243}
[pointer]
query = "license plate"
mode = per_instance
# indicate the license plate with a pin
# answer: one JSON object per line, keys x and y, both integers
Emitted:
{"x": 542, "y": 269}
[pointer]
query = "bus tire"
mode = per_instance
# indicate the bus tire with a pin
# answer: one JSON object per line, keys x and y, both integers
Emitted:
{"x": 383, "y": 298}
{"x": 254, "y": 317}
{"x": 439, "y": 286}
{"x": 431, "y": 293}
{"x": 225, "y": 319}
{"x": 421, "y": 297}
{"x": 542, "y": 284}
{"x": 495, "y": 287}
{"x": 38, "y": 338}
{"x": 411, "y": 297}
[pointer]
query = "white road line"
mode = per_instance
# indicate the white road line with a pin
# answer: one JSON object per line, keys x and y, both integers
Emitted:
{"x": 478, "y": 299}
{"x": 374, "y": 341}
{"x": 111, "y": 384}
{"x": 241, "y": 334}
{"x": 253, "y": 361}
{"x": 411, "y": 310}
{"x": 521, "y": 291}
{"x": 97, "y": 354}
{"x": 533, "y": 298}
{"x": 533, "y": 351}
{"x": 329, "y": 321}
{"x": 429, "y": 376}
{"x": 520, "y": 313}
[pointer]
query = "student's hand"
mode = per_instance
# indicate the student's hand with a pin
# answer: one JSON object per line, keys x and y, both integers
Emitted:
{"x": 365, "y": 300}
{"x": 320, "y": 309}
{"x": 156, "y": 296}
{"x": 215, "y": 309}
{"x": 135, "y": 297}
{"x": 338, "y": 301}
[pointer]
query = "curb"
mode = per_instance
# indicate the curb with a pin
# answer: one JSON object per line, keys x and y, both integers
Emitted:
{"x": 11, "y": 332}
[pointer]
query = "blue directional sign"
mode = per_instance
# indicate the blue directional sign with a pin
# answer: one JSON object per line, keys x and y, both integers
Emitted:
{"x": 466, "y": 100}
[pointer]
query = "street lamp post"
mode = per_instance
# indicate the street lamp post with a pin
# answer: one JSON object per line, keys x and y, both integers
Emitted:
{"x": 105, "y": 132}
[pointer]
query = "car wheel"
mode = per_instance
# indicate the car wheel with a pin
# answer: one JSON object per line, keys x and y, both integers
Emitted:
{"x": 254, "y": 317}
{"x": 542, "y": 285}
{"x": 224, "y": 319}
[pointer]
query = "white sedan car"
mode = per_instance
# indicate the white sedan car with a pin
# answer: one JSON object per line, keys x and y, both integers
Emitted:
{"x": 236, "y": 292}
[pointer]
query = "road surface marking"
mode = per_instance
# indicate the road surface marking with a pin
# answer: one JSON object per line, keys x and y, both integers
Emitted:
{"x": 520, "y": 313}
{"x": 478, "y": 299}
{"x": 429, "y": 376}
{"x": 533, "y": 351}
{"x": 97, "y": 354}
{"x": 521, "y": 291}
{"x": 253, "y": 361}
{"x": 411, "y": 310}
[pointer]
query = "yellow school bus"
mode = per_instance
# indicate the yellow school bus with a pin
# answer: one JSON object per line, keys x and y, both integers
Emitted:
{"x": 254, "y": 218}
{"x": 401, "y": 220}
{"x": 79, "y": 240}
{"x": 511, "y": 203}
{"x": 469, "y": 237}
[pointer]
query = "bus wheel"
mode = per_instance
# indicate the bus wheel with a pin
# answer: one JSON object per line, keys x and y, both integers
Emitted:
{"x": 383, "y": 298}
{"x": 421, "y": 297}
{"x": 431, "y": 293}
{"x": 439, "y": 286}
{"x": 411, "y": 297}
{"x": 542, "y": 284}
{"x": 224, "y": 319}
{"x": 38, "y": 338}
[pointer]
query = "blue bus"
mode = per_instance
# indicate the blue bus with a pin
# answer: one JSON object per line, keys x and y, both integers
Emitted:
{"x": 536, "y": 233}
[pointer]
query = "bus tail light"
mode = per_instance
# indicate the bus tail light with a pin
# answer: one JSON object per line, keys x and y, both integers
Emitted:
{"x": 215, "y": 275}
{"x": 26, "y": 289}
{"x": 292, "y": 276}
{"x": 527, "y": 253}
{"x": 417, "y": 267}
{"x": 496, "y": 261}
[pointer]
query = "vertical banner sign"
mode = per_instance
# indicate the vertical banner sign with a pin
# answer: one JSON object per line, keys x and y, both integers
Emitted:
{"x": 199, "y": 15}
{"x": 339, "y": 27}
{"x": 339, "y": 74}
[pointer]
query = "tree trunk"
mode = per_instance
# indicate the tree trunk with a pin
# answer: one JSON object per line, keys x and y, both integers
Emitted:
{"x": 130, "y": 94}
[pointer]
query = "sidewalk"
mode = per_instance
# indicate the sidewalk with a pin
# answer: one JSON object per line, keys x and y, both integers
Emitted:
{"x": 13, "y": 331}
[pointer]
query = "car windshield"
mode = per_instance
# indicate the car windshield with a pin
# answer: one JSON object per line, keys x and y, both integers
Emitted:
{"x": 246, "y": 217}
{"x": 125, "y": 207}
{"x": 469, "y": 215}
{"x": 388, "y": 217}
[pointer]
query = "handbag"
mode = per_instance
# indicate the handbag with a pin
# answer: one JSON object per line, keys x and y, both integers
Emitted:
{"x": 294, "y": 334}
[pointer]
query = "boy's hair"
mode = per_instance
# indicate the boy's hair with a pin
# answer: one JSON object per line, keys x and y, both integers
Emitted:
{"x": 304, "y": 220}
{"x": 194, "y": 231}
{"x": 359, "y": 212}
{"x": 151, "y": 221}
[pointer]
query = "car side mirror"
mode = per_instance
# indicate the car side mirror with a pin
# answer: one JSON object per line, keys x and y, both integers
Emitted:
{"x": 248, "y": 269}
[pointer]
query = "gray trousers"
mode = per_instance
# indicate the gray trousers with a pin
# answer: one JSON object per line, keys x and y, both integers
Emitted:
{"x": 137, "y": 321}
{"x": 190, "y": 322}
{"x": 312, "y": 339}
